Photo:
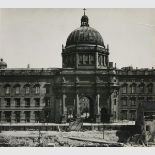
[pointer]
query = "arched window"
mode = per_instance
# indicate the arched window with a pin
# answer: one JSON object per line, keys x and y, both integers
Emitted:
{"x": 17, "y": 89}
{"x": 141, "y": 88}
{"x": 47, "y": 88}
{"x": 7, "y": 89}
{"x": 133, "y": 88}
{"x": 150, "y": 88}
{"x": 37, "y": 88}
{"x": 27, "y": 89}
{"x": 124, "y": 88}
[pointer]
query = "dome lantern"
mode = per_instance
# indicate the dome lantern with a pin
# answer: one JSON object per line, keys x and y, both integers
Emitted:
{"x": 84, "y": 19}
{"x": 3, "y": 65}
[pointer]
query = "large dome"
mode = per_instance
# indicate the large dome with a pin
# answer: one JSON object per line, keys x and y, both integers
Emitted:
{"x": 84, "y": 35}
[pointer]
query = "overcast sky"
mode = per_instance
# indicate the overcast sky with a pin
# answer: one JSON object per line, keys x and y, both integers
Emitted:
{"x": 35, "y": 36}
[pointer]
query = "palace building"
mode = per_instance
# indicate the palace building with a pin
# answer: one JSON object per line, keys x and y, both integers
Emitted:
{"x": 88, "y": 85}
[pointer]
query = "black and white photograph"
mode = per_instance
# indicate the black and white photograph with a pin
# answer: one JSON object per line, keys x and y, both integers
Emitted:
{"x": 77, "y": 77}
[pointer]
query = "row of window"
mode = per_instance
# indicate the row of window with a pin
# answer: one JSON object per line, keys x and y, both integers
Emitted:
{"x": 128, "y": 115}
{"x": 133, "y": 100}
{"x": 27, "y": 89}
{"x": 25, "y": 116}
{"x": 141, "y": 88}
{"x": 27, "y": 101}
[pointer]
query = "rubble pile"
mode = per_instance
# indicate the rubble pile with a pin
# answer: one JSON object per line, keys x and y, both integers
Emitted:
{"x": 54, "y": 138}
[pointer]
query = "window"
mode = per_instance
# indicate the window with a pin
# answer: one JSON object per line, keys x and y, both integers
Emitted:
{"x": 133, "y": 101}
{"x": 8, "y": 116}
{"x": 37, "y": 89}
{"x": 37, "y": 102}
{"x": 37, "y": 116}
{"x": 17, "y": 102}
{"x": 27, "y": 89}
{"x": 27, "y": 102}
{"x": 80, "y": 59}
{"x": 99, "y": 59}
{"x": 17, "y": 89}
{"x": 27, "y": 116}
{"x": 91, "y": 57}
{"x": 17, "y": 116}
{"x": 141, "y": 98}
{"x": 150, "y": 88}
{"x": 124, "y": 101}
{"x": 115, "y": 101}
{"x": 132, "y": 115}
{"x": 141, "y": 88}
{"x": 124, "y": 89}
{"x": 87, "y": 59}
{"x": 0, "y": 115}
{"x": 133, "y": 88}
{"x": 124, "y": 114}
{"x": 7, "y": 102}
{"x": 47, "y": 102}
{"x": 149, "y": 98}
{"x": 47, "y": 88}
{"x": 7, "y": 90}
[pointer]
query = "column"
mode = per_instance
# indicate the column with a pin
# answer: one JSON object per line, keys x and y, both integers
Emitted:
{"x": 22, "y": 116}
{"x": 96, "y": 59}
{"x": 104, "y": 64}
{"x": 32, "y": 116}
{"x": 63, "y": 109}
{"x": 77, "y": 106}
{"x": 76, "y": 60}
{"x": 98, "y": 108}
{"x": 3, "y": 117}
{"x": 111, "y": 109}
{"x": 12, "y": 116}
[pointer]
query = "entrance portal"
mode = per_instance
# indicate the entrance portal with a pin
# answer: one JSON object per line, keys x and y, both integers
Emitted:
{"x": 105, "y": 117}
{"x": 86, "y": 109}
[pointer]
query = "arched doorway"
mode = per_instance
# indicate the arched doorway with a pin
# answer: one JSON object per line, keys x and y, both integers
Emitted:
{"x": 104, "y": 115}
{"x": 86, "y": 109}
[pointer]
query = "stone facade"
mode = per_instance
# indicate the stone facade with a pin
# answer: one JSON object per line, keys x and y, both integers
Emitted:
{"x": 87, "y": 86}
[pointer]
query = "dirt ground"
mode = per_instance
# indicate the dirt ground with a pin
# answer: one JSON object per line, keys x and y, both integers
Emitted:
{"x": 55, "y": 138}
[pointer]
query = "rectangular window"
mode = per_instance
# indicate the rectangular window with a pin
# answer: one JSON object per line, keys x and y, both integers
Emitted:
{"x": 124, "y": 101}
{"x": 86, "y": 59}
{"x": 149, "y": 98}
{"x": 37, "y": 90}
{"x": 91, "y": 59}
{"x": 133, "y": 89}
{"x": 0, "y": 116}
{"x": 124, "y": 114}
{"x": 8, "y": 116}
{"x": 124, "y": 89}
{"x": 47, "y": 89}
{"x": 133, "y": 101}
{"x": 17, "y": 116}
{"x": 47, "y": 102}
{"x": 37, "y": 102}
{"x": 132, "y": 115}
{"x": 27, "y": 102}
{"x": 80, "y": 59}
{"x": 27, "y": 116}
{"x": 7, "y": 102}
{"x": 141, "y": 89}
{"x": 37, "y": 116}
{"x": 17, "y": 102}
{"x": 115, "y": 101}
{"x": 150, "y": 88}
